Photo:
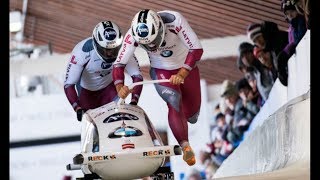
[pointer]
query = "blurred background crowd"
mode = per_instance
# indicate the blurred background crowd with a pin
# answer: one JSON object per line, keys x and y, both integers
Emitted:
{"x": 261, "y": 62}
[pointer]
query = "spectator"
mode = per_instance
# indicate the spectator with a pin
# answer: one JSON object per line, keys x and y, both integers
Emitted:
{"x": 204, "y": 157}
{"x": 242, "y": 115}
{"x": 264, "y": 80}
{"x": 222, "y": 125}
{"x": 268, "y": 59}
{"x": 210, "y": 169}
{"x": 216, "y": 110}
{"x": 222, "y": 106}
{"x": 226, "y": 111}
{"x": 224, "y": 148}
{"x": 221, "y": 148}
{"x": 267, "y": 36}
{"x": 297, "y": 29}
{"x": 253, "y": 84}
{"x": 303, "y": 8}
{"x": 220, "y": 120}
{"x": 194, "y": 175}
{"x": 246, "y": 94}
{"x": 230, "y": 96}
{"x": 229, "y": 93}
{"x": 242, "y": 67}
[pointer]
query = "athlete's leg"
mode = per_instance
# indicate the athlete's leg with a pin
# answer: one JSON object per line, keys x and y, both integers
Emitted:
{"x": 191, "y": 95}
{"x": 108, "y": 94}
{"x": 172, "y": 96}
{"x": 89, "y": 99}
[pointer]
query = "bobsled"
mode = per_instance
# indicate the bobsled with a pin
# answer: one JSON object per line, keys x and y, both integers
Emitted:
{"x": 119, "y": 141}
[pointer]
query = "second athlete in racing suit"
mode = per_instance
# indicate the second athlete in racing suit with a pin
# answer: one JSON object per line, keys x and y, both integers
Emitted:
{"x": 91, "y": 63}
{"x": 173, "y": 49}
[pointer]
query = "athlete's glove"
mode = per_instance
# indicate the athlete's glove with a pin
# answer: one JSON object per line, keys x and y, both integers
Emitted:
{"x": 79, "y": 112}
{"x": 178, "y": 78}
{"x": 123, "y": 91}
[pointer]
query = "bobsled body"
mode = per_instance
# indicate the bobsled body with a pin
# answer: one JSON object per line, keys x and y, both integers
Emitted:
{"x": 120, "y": 142}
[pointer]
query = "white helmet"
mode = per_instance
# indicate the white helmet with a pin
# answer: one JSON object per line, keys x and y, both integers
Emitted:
{"x": 107, "y": 40}
{"x": 148, "y": 29}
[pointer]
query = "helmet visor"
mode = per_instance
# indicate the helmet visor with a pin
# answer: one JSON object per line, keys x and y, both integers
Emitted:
{"x": 108, "y": 55}
{"x": 155, "y": 44}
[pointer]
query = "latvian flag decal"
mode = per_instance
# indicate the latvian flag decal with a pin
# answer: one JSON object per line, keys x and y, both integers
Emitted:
{"x": 125, "y": 146}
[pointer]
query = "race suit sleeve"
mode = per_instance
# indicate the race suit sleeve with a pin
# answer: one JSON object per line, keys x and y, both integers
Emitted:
{"x": 125, "y": 54}
{"x": 134, "y": 71}
{"x": 73, "y": 74}
{"x": 190, "y": 40}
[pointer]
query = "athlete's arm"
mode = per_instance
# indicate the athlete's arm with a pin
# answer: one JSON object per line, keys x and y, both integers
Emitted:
{"x": 191, "y": 41}
{"x": 134, "y": 71}
{"x": 125, "y": 54}
{"x": 73, "y": 74}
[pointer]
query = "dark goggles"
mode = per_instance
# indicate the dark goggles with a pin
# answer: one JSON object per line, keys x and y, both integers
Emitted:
{"x": 108, "y": 55}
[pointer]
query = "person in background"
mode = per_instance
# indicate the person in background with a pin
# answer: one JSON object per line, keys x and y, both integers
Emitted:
{"x": 194, "y": 175}
{"x": 230, "y": 96}
{"x": 303, "y": 8}
{"x": 242, "y": 67}
{"x": 297, "y": 29}
{"x": 256, "y": 95}
{"x": 264, "y": 80}
{"x": 220, "y": 148}
{"x": 243, "y": 113}
{"x": 267, "y": 36}
{"x": 268, "y": 59}
{"x": 297, "y": 25}
{"x": 210, "y": 170}
{"x": 248, "y": 99}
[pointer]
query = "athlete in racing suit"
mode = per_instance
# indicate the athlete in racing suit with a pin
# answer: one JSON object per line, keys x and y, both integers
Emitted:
{"x": 173, "y": 49}
{"x": 91, "y": 64}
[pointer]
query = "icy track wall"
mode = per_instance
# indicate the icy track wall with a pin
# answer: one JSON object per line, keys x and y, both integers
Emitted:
{"x": 282, "y": 140}
{"x": 280, "y": 136}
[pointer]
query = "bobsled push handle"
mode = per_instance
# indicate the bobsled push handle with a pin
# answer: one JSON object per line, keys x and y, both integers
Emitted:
{"x": 147, "y": 82}
{"x": 131, "y": 86}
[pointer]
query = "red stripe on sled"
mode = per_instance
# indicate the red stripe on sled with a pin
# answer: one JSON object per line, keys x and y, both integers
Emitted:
{"x": 125, "y": 146}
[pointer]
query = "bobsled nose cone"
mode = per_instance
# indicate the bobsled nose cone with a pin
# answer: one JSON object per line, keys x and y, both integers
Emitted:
{"x": 78, "y": 159}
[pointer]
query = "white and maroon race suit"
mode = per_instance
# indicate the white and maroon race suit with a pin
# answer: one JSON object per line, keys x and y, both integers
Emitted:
{"x": 181, "y": 48}
{"x": 95, "y": 76}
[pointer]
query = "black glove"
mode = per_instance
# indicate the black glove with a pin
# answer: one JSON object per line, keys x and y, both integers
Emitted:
{"x": 133, "y": 103}
{"x": 79, "y": 114}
